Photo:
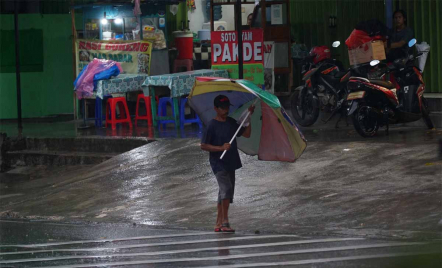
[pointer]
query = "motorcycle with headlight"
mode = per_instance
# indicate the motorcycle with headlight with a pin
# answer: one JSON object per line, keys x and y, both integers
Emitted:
{"x": 374, "y": 103}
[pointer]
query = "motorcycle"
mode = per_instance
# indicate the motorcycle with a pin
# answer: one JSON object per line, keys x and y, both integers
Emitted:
{"x": 324, "y": 77}
{"x": 375, "y": 103}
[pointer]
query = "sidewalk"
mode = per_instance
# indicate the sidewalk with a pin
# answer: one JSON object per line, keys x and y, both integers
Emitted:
{"x": 70, "y": 129}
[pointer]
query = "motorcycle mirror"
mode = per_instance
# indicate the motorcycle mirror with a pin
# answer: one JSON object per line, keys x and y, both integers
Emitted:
{"x": 336, "y": 44}
{"x": 412, "y": 42}
{"x": 374, "y": 62}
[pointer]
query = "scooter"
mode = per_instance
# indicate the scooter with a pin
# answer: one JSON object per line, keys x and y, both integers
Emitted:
{"x": 375, "y": 103}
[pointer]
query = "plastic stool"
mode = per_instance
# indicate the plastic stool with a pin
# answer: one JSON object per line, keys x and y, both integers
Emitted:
{"x": 111, "y": 111}
{"x": 183, "y": 119}
{"x": 99, "y": 110}
{"x": 188, "y": 63}
{"x": 148, "y": 115}
{"x": 162, "y": 110}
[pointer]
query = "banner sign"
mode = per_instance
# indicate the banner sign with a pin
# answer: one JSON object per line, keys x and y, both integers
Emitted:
{"x": 225, "y": 54}
{"x": 269, "y": 66}
{"x": 134, "y": 57}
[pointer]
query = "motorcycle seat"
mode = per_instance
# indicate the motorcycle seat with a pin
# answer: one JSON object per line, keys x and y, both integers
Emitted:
{"x": 382, "y": 83}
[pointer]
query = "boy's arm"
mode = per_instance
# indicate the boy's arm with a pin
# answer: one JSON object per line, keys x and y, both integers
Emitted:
{"x": 213, "y": 148}
{"x": 247, "y": 132}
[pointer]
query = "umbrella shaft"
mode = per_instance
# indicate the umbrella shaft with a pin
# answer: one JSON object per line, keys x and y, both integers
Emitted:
{"x": 240, "y": 126}
{"x": 236, "y": 133}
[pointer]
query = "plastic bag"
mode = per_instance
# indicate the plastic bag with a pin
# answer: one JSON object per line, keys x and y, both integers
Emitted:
{"x": 174, "y": 9}
{"x": 423, "y": 48}
{"x": 136, "y": 34}
{"x": 159, "y": 41}
{"x": 358, "y": 38}
{"x": 137, "y": 9}
{"x": 107, "y": 74}
{"x": 84, "y": 84}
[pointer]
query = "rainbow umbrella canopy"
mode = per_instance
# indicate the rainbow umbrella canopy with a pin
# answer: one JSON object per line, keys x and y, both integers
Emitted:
{"x": 274, "y": 137}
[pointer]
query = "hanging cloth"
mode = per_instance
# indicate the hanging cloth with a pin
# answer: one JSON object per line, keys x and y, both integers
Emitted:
{"x": 137, "y": 9}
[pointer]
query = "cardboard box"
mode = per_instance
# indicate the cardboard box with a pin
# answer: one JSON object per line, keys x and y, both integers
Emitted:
{"x": 367, "y": 52}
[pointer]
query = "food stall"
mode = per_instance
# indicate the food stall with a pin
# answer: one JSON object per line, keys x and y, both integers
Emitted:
{"x": 117, "y": 22}
{"x": 141, "y": 35}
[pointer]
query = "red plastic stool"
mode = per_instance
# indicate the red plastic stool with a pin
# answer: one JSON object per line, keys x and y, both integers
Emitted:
{"x": 148, "y": 115}
{"x": 124, "y": 112}
{"x": 188, "y": 63}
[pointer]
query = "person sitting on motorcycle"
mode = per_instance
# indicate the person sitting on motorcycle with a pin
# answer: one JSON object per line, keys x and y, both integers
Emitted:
{"x": 397, "y": 44}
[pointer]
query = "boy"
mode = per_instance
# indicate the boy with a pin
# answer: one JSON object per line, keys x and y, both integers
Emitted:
{"x": 215, "y": 140}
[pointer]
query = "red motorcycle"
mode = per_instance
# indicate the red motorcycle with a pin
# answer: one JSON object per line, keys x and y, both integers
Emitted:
{"x": 375, "y": 103}
{"x": 325, "y": 87}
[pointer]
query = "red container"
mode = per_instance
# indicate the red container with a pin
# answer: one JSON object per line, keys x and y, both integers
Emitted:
{"x": 184, "y": 44}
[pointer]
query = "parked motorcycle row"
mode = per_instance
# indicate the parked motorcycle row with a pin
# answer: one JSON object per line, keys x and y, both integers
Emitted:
{"x": 360, "y": 92}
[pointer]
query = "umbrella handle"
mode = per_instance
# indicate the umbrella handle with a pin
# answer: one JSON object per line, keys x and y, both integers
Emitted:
{"x": 240, "y": 126}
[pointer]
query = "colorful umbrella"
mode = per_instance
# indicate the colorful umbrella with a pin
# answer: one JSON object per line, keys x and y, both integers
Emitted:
{"x": 274, "y": 137}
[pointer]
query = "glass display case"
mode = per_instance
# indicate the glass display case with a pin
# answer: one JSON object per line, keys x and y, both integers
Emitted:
{"x": 117, "y": 22}
{"x": 91, "y": 29}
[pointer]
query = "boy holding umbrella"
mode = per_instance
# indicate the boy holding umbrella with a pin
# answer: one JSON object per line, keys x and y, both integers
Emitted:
{"x": 216, "y": 140}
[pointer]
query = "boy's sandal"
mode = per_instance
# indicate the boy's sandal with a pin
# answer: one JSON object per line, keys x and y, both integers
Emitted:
{"x": 225, "y": 228}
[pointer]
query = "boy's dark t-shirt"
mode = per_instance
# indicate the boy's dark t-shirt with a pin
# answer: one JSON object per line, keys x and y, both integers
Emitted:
{"x": 217, "y": 133}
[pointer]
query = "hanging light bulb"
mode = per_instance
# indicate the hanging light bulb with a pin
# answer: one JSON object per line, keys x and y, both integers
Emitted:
{"x": 104, "y": 20}
{"x": 118, "y": 21}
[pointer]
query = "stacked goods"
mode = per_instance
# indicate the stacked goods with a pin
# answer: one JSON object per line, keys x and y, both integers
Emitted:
{"x": 156, "y": 36}
{"x": 365, "y": 43}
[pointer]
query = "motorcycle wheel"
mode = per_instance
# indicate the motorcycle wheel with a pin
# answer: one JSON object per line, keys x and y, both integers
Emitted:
{"x": 311, "y": 111}
{"x": 365, "y": 121}
{"x": 426, "y": 114}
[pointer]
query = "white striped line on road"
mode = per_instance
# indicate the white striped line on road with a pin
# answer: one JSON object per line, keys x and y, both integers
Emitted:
{"x": 149, "y": 245}
{"x": 108, "y": 240}
{"x": 239, "y": 256}
{"x": 325, "y": 260}
{"x": 185, "y": 250}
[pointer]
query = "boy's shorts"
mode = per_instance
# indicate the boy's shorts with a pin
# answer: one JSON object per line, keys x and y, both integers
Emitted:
{"x": 226, "y": 183}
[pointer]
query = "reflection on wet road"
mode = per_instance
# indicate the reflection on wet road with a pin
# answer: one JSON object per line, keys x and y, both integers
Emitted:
{"x": 172, "y": 248}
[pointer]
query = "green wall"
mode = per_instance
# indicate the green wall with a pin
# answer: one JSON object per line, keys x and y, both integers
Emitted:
{"x": 174, "y": 21}
{"x": 310, "y": 21}
{"x": 425, "y": 18}
{"x": 50, "y": 91}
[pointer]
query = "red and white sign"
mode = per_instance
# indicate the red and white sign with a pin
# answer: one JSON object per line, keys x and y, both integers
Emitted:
{"x": 225, "y": 47}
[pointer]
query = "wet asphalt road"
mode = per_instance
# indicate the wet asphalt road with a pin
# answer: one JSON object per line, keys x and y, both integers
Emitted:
{"x": 42, "y": 244}
{"x": 385, "y": 190}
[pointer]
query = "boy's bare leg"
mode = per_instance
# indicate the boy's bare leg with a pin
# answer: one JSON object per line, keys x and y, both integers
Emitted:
{"x": 225, "y": 219}
{"x": 225, "y": 207}
{"x": 219, "y": 217}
